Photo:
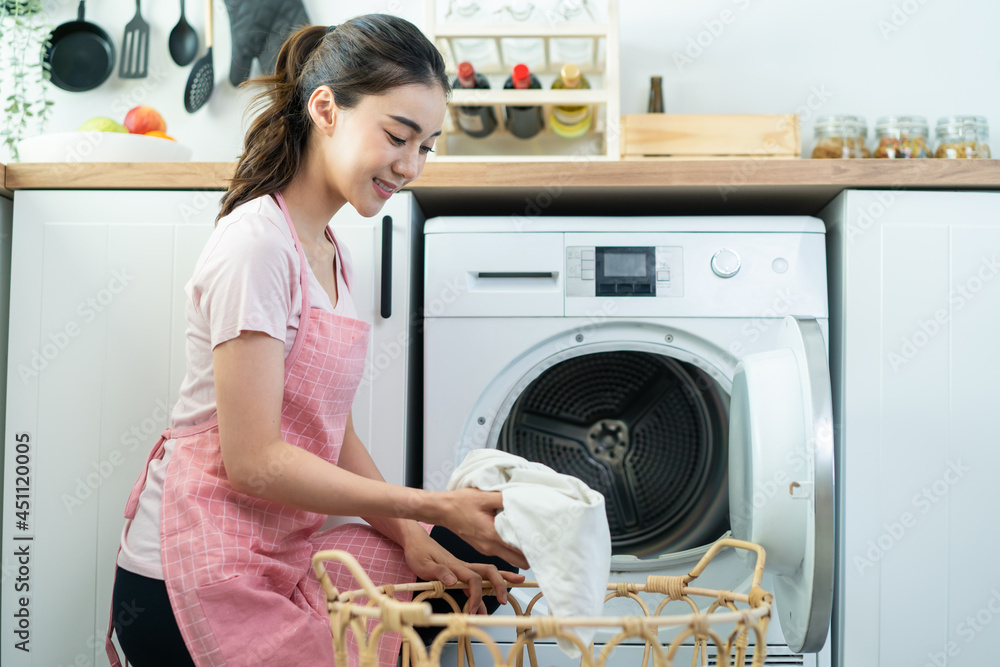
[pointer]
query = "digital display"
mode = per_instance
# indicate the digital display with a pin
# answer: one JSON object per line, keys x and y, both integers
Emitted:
{"x": 624, "y": 264}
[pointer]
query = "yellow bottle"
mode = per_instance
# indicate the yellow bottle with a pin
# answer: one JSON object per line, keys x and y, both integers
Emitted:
{"x": 571, "y": 121}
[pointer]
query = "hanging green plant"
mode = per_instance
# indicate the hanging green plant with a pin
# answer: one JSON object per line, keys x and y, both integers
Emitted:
{"x": 24, "y": 77}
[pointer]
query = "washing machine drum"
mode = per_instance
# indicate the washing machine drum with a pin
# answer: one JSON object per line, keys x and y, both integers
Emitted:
{"x": 647, "y": 431}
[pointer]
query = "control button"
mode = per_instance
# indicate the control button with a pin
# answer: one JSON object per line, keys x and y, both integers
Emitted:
{"x": 623, "y": 288}
{"x": 573, "y": 270}
{"x": 588, "y": 253}
{"x": 588, "y": 264}
{"x": 780, "y": 265}
{"x": 663, "y": 276}
{"x": 574, "y": 253}
{"x": 588, "y": 274}
{"x": 726, "y": 263}
{"x": 643, "y": 288}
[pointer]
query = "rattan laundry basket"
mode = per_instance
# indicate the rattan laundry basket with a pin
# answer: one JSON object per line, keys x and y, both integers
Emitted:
{"x": 727, "y": 623}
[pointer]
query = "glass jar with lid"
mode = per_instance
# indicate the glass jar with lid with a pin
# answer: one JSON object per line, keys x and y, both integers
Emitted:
{"x": 963, "y": 137}
{"x": 840, "y": 137}
{"x": 901, "y": 137}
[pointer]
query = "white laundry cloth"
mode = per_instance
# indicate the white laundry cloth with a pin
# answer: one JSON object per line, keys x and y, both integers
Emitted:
{"x": 558, "y": 522}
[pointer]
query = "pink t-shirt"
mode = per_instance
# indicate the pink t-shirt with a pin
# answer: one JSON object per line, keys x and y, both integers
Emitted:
{"x": 246, "y": 279}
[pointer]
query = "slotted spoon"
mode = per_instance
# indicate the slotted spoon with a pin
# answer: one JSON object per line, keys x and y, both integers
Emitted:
{"x": 135, "y": 48}
{"x": 202, "y": 77}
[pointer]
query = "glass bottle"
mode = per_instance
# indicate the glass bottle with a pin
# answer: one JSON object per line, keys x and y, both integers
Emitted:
{"x": 840, "y": 137}
{"x": 527, "y": 50}
{"x": 963, "y": 137}
{"x": 570, "y": 49}
{"x": 901, "y": 137}
{"x": 479, "y": 50}
{"x": 475, "y": 121}
{"x": 655, "y": 95}
{"x": 573, "y": 121}
{"x": 523, "y": 122}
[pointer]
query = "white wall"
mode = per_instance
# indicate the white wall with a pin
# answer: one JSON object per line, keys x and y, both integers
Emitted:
{"x": 869, "y": 57}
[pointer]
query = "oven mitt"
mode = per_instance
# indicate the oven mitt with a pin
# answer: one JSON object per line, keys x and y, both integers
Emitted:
{"x": 259, "y": 28}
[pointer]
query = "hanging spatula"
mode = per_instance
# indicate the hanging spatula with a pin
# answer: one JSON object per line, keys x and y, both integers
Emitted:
{"x": 202, "y": 77}
{"x": 135, "y": 48}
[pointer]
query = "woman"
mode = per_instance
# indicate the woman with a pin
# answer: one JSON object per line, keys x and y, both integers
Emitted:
{"x": 214, "y": 565}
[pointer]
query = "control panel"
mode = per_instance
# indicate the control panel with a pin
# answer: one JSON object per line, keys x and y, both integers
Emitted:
{"x": 624, "y": 271}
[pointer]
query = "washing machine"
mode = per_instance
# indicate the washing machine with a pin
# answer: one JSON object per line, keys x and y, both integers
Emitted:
{"x": 678, "y": 365}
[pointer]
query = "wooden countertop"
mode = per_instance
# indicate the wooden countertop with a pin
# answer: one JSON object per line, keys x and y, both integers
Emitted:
{"x": 4, "y": 192}
{"x": 597, "y": 186}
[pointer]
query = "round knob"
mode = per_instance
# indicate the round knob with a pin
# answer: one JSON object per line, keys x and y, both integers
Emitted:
{"x": 726, "y": 263}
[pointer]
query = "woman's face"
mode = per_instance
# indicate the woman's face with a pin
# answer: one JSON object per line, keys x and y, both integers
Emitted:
{"x": 377, "y": 147}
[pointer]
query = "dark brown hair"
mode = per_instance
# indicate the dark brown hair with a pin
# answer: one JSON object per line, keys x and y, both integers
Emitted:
{"x": 366, "y": 55}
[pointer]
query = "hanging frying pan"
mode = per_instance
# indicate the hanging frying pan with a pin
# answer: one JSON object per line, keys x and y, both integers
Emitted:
{"x": 81, "y": 56}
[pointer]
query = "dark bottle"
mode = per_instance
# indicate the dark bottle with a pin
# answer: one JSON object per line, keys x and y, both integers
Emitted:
{"x": 523, "y": 122}
{"x": 477, "y": 121}
{"x": 655, "y": 95}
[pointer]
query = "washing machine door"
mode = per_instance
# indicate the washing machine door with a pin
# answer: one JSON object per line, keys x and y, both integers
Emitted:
{"x": 781, "y": 475}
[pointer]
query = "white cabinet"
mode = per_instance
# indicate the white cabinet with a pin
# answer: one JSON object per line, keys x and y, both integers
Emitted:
{"x": 387, "y": 252}
{"x": 96, "y": 357}
{"x": 915, "y": 307}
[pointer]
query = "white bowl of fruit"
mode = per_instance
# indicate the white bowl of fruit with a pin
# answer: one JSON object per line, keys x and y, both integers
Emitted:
{"x": 141, "y": 138}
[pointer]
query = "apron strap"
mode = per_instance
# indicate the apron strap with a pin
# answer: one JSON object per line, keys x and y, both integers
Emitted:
{"x": 130, "y": 507}
{"x": 109, "y": 646}
{"x": 155, "y": 454}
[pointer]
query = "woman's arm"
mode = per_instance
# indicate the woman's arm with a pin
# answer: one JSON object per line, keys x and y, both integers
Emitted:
{"x": 355, "y": 458}
{"x": 423, "y": 554}
{"x": 249, "y": 387}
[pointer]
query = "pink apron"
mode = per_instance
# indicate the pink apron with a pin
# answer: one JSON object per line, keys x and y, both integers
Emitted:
{"x": 237, "y": 568}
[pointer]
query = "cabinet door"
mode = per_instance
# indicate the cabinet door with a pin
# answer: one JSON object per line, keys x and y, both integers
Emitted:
{"x": 384, "y": 250}
{"x": 96, "y": 357}
{"x": 915, "y": 308}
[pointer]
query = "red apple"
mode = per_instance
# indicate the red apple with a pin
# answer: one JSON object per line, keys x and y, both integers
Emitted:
{"x": 143, "y": 119}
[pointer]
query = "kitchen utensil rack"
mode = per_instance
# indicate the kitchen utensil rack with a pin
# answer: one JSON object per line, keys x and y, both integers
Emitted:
{"x": 600, "y": 142}
{"x": 723, "y": 624}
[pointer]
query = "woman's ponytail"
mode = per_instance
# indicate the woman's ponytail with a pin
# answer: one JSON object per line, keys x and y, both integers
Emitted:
{"x": 366, "y": 55}
{"x": 273, "y": 146}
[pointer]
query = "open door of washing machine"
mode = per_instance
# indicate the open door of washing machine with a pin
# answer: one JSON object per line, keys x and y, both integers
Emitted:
{"x": 781, "y": 475}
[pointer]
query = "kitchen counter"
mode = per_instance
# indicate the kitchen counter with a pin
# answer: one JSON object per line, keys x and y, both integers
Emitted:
{"x": 585, "y": 186}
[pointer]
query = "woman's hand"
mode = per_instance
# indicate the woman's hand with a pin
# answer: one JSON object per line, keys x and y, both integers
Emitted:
{"x": 469, "y": 513}
{"x": 429, "y": 560}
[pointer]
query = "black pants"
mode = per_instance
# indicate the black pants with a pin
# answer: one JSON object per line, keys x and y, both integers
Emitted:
{"x": 145, "y": 624}
{"x": 147, "y": 630}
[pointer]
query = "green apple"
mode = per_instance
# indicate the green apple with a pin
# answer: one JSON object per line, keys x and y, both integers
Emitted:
{"x": 102, "y": 124}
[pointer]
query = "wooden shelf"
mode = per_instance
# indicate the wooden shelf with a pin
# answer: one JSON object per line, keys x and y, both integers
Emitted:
{"x": 586, "y": 172}
{"x": 588, "y": 186}
{"x": 4, "y": 192}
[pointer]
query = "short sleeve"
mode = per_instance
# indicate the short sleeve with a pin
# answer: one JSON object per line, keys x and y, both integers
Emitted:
{"x": 245, "y": 281}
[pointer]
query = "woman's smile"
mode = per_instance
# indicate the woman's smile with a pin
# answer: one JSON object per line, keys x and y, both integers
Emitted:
{"x": 383, "y": 188}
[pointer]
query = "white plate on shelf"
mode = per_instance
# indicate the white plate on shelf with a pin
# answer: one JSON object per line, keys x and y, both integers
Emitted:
{"x": 101, "y": 147}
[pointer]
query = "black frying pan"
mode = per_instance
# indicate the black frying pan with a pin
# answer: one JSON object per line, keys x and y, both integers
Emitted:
{"x": 81, "y": 56}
